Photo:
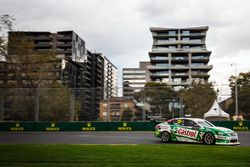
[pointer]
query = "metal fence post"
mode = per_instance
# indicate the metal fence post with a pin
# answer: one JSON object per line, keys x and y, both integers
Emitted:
{"x": 72, "y": 106}
{"x": 36, "y": 111}
{"x": 2, "y": 104}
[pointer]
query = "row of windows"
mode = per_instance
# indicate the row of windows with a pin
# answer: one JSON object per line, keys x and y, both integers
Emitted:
{"x": 175, "y": 32}
{"x": 175, "y": 39}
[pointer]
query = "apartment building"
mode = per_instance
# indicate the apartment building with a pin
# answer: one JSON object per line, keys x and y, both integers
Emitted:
{"x": 112, "y": 109}
{"x": 76, "y": 67}
{"x": 179, "y": 56}
{"x": 134, "y": 79}
{"x": 110, "y": 81}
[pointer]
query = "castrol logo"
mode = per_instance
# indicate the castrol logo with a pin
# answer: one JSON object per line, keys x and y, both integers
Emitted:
{"x": 187, "y": 133}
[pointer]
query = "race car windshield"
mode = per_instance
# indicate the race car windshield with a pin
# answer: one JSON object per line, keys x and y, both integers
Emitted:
{"x": 206, "y": 124}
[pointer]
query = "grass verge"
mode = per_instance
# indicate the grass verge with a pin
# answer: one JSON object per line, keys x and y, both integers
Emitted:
{"x": 123, "y": 155}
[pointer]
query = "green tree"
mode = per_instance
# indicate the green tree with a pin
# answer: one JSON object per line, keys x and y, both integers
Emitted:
{"x": 6, "y": 22}
{"x": 158, "y": 95}
{"x": 36, "y": 84}
{"x": 55, "y": 104}
{"x": 198, "y": 99}
{"x": 243, "y": 85}
{"x": 127, "y": 114}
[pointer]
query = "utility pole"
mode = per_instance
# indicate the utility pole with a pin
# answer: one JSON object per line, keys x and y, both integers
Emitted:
{"x": 236, "y": 98}
{"x": 236, "y": 91}
{"x": 143, "y": 107}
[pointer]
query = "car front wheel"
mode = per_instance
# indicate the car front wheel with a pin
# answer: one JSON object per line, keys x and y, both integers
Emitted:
{"x": 165, "y": 137}
{"x": 209, "y": 139}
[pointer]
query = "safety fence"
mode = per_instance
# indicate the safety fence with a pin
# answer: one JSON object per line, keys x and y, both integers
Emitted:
{"x": 103, "y": 126}
{"x": 78, "y": 126}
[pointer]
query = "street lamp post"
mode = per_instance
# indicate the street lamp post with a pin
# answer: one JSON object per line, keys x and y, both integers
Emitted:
{"x": 236, "y": 98}
{"x": 236, "y": 91}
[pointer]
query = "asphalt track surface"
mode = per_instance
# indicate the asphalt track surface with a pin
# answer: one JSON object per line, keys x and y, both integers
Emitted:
{"x": 108, "y": 137}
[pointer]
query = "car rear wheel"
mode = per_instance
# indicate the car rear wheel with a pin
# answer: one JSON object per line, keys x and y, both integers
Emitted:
{"x": 165, "y": 137}
{"x": 209, "y": 139}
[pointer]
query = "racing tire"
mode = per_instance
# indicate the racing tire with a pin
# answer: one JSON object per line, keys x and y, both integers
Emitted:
{"x": 165, "y": 137}
{"x": 209, "y": 139}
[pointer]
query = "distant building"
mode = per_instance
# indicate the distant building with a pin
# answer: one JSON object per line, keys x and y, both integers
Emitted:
{"x": 76, "y": 67}
{"x": 134, "y": 79}
{"x": 112, "y": 109}
{"x": 179, "y": 56}
{"x": 110, "y": 81}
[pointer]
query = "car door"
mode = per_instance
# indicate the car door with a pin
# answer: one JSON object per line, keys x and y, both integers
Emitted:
{"x": 187, "y": 130}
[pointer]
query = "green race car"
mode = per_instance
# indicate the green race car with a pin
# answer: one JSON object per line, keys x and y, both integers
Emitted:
{"x": 195, "y": 130}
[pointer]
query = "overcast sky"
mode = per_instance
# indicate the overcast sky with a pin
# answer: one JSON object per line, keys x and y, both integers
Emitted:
{"x": 120, "y": 28}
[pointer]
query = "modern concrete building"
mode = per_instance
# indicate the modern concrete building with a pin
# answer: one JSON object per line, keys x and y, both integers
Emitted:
{"x": 179, "y": 56}
{"x": 89, "y": 74}
{"x": 110, "y": 81}
{"x": 134, "y": 79}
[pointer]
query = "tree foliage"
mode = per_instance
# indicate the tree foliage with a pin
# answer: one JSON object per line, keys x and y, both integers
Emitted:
{"x": 127, "y": 114}
{"x": 35, "y": 90}
{"x": 243, "y": 85}
{"x": 158, "y": 95}
{"x": 198, "y": 99}
{"x": 6, "y": 24}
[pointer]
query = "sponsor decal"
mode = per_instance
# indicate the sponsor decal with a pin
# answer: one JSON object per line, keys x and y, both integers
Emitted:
{"x": 187, "y": 133}
{"x": 240, "y": 126}
{"x": 124, "y": 127}
{"x": 182, "y": 139}
{"x": 52, "y": 127}
{"x": 201, "y": 134}
{"x": 17, "y": 127}
{"x": 89, "y": 127}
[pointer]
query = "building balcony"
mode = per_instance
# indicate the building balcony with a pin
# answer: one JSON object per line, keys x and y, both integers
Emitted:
{"x": 42, "y": 38}
{"x": 200, "y": 59}
{"x": 207, "y": 67}
{"x": 179, "y": 59}
{"x": 43, "y": 49}
{"x": 164, "y": 35}
{"x": 159, "y": 58}
{"x": 62, "y": 44}
{"x": 182, "y": 74}
{"x": 199, "y": 74}
{"x": 178, "y": 66}
{"x": 181, "y": 42}
{"x": 59, "y": 51}
{"x": 173, "y": 50}
{"x": 193, "y": 34}
{"x": 64, "y": 37}
{"x": 157, "y": 75}
{"x": 43, "y": 44}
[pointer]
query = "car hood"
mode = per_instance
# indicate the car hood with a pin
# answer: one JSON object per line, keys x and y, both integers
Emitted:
{"x": 221, "y": 129}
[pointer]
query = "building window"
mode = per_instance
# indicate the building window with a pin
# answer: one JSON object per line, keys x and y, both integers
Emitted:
{"x": 185, "y": 47}
{"x": 104, "y": 113}
{"x": 185, "y": 32}
{"x": 172, "y": 39}
{"x": 172, "y": 33}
